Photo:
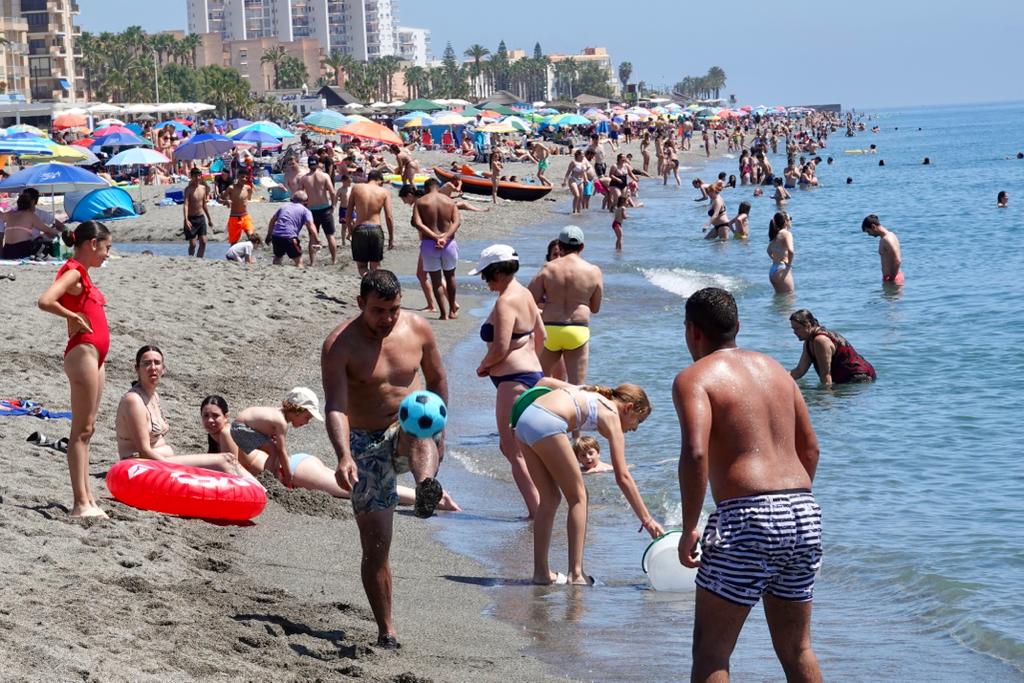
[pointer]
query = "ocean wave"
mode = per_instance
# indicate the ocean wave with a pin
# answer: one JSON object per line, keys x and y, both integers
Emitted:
{"x": 683, "y": 282}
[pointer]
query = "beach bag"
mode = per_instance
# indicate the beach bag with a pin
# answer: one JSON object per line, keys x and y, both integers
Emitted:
{"x": 523, "y": 402}
{"x": 588, "y": 189}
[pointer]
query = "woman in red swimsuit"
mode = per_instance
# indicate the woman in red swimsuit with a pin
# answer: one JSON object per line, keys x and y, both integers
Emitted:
{"x": 75, "y": 298}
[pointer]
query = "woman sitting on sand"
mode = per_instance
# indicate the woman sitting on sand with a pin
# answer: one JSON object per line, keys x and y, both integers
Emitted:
{"x": 543, "y": 430}
{"x": 780, "y": 250}
{"x": 140, "y": 425}
{"x": 308, "y": 472}
{"x": 511, "y": 360}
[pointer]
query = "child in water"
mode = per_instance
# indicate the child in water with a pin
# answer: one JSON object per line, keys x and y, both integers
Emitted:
{"x": 620, "y": 215}
{"x": 738, "y": 225}
{"x": 588, "y": 454}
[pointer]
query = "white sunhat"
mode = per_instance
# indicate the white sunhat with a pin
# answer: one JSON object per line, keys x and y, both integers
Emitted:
{"x": 496, "y": 253}
{"x": 304, "y": 398}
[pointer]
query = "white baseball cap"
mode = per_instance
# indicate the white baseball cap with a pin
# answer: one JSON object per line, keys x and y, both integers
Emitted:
{"x": 496, "y": 253}
{"x": 304, "y": 398}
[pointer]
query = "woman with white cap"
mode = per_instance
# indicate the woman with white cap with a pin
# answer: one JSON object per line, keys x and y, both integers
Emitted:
{"x": 511, "y": 361}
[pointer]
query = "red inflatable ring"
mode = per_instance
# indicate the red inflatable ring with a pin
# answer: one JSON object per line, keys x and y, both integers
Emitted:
{"x": 185, "y": 491}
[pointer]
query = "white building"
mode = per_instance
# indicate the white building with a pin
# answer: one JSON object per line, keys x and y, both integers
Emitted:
{"x": 414, "y": 45}
{"x": 364, "y": 29}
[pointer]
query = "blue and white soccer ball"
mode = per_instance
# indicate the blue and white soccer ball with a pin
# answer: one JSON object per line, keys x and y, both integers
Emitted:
{"x": 423, "y": 414}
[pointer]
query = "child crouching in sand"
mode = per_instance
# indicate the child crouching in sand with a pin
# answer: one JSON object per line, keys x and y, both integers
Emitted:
{"x": 588, "y": 454}
{"x": 259, "y": 432}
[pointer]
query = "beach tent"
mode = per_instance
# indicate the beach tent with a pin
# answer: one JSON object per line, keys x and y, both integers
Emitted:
{"x": 103, "y": 204}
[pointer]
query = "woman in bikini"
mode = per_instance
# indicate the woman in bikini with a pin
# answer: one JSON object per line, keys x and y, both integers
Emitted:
{"x": 645, "y": 151}
{"x": 74, "y": 297}
{"x": 511, "y": 360}
{"x": 575, "y": 178}
{"x": 619, "y": 177}
{"x": 543, "y": 431}
{"x": 21, "y": 227}
{"x": 308, "y": 471}
{"x": 780, "y": 250}
{"x": 717, "y": 214}
{"x": 738, "y": 225}
{"x": 142, "y": 429}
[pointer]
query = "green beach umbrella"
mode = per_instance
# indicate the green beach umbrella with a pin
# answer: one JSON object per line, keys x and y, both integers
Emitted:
{"x": 420, "y": 105}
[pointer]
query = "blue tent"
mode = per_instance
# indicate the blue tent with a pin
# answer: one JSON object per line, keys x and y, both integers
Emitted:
{"x": 105, "y": 204}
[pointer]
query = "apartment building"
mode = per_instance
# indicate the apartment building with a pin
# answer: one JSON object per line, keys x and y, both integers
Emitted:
{"x": 595, "y": 55}
{"x": 47, "y": 45}
{"x": 14, "y": 81}
{"x": 244, "y": 55}
{"x": 414, "y": 45}
{"x": 364, "y": 29}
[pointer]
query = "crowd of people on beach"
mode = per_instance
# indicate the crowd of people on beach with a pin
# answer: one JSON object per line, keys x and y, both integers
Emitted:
{"x": 744, "y": 424}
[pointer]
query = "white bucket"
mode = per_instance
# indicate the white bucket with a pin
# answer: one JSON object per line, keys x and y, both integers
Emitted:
{"x": 661, "y": 564}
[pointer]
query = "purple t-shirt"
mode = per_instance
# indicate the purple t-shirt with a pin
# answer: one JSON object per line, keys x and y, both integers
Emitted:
{"x": 290, "y": 220}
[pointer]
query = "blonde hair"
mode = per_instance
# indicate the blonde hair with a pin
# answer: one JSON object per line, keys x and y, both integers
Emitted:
{"x": 583, "y": 444}
{"x": 626, "y": 394}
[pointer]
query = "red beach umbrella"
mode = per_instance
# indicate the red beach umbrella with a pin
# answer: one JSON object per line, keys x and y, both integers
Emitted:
{"x": 110, "y": 130}
{"x": 368, "y": 130}
{"x": 69, "y": 121}
{"x": 83, "y": 142}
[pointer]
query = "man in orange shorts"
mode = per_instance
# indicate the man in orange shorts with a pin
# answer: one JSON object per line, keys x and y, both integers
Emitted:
{"x": 240, "y": 220}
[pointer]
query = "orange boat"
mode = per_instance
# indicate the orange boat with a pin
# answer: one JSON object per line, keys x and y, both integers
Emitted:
{"x": 475, "y": 183}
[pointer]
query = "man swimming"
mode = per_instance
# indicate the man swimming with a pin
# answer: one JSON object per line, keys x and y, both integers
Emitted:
{"x": 746, "y": 430}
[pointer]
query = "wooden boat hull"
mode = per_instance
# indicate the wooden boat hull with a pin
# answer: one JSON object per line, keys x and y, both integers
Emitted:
{"x": 475, "y": 184}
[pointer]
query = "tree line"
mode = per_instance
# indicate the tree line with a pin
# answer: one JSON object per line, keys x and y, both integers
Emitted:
{"x": 702, "y": 87}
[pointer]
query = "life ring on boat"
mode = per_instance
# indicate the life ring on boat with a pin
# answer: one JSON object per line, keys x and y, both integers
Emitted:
{"x": 185, "y": 491}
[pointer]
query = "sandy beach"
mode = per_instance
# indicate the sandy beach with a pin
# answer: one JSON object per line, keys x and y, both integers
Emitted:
{"x": 147, "y": 597}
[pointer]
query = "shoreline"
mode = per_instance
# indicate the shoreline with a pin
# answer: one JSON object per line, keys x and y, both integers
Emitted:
{"x": 162, "y": 580}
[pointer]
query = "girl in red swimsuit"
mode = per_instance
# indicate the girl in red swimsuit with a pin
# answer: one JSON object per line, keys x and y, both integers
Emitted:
{"x": 75, "y": 298}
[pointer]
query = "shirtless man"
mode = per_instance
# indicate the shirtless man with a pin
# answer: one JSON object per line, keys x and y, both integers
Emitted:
{"x": 437, "y": 219}
{"x": 596, "y": 146}
{"x": 746, "y": 429}
{"x": 369, "y": 364}
{"x": 406, "y": 165}
{"x": 539, "y": 153}
{"x": 239, "y": 220}
{"x": 367, "y": 200}
{"x": 319, "y": 187}
{"x": 197, "y": 215}
{"x": 293, "y": 174}
{"x": 570, "y": 290}
{"x": 888, "y": 249}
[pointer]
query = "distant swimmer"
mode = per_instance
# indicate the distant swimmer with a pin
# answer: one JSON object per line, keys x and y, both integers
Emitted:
{"x": 833, "y": 358}
{"x": 570, "y": 289}
{"x": 781, "y": 251}
{"x": 888, "y": 249}
{"x": 746, "y": 431}
{"x": 926, "y": 162}
{"x": 849, "y": 180}
{"x": 1002, "y": 199}
{"x": 881, "y": 162}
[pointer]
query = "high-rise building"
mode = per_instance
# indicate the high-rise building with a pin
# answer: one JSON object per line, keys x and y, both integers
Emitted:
{"x": 414, "y": 45}
{"x": 50, "y": 36}
{"x": 13, "y": 55}
{"x": 364, "y": 29}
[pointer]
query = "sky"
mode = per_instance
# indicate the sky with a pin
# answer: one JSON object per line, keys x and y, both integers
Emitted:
{"x": 866, "y": 53}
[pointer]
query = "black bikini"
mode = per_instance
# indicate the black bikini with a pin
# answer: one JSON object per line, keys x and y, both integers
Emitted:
{"x": 487, "y": 333}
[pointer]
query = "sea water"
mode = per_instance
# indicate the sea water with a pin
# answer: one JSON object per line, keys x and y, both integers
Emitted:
{"x": 921, "y": 473}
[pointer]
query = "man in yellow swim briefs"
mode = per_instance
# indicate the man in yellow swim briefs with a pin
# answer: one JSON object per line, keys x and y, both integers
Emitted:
{"x": 569, "y": 289}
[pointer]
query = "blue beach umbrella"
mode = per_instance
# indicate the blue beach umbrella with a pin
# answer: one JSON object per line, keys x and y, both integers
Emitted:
{"x": 203, "y": 146}
{"x": 178, "y": 126}
{"x": 256, "y": 137}
{"x": 53, "y": 178}
{"x": 33, "y": 146}
{"x": 406, "y": 118}
{"x": 327, "y": 119}
{"x": 119, "y": 140}
{"x": 134, "y": 127}
{"x": 266, "y": 127}
{"x": 25, "y": 128}
{"x": 235, "y": 124}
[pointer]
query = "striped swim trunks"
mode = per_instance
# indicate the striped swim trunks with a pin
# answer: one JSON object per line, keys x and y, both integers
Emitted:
{"x": 769, "y": 543}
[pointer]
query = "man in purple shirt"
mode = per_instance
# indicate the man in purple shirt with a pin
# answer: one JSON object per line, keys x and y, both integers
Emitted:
{"x": 285, "y": 226}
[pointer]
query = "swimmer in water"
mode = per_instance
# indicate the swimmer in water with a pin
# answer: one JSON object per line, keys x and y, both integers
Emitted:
{"x": 1002, "y": 199}
{"x": 888, "y": 249}
{"x": 588, "y": 454}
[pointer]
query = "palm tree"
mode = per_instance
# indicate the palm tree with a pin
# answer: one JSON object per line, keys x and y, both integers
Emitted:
{"x": 188, "y": 46}
{"x": 387, "y": 66}
{"x": 274, "y": 56}
{"x": 625, "y": 71}
{"x": 716, "y": 80}
{"x": 335, "y": 62}
{"x": 476, "y": 52}
{"x": 415, "y": 78}
{"x": 134, "y": 39}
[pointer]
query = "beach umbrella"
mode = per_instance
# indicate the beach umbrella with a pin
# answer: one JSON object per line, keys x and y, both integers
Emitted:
{"x": 134, "y": 128}
{"x": 141, "y": 156}
{"x": 353, "y": 106}
{"x": 497, "y": 127}
{"x": 104, "y": 108}
{"x": 534, "y": 117}
{"x": 235, "y": 124}
{"x": 65, "y": 121}
{"x": 746, "y": 107}
{"x": 145, "y": 118}
{"x": 267, "y": 127}
{"x": 25, "y": 128}
{"x": 406, "y": 118}
{"x": 141, "y": 108}
{"x": 419, "y": 122}
{"x": 595, "y": 116}
{"x": 517, "y": 124}
{"x": 27, "y": 136}
{"x": 499, "y": 108}
{"x": 255, "y": 137}
{"x": 568, "y": 120}
{"x": 66, "y": 154}
{"x": 328, "y": 119}
{"x": 120, "y": 140}
{"x": 83, "y": 142}
{"x": 110, "y": 130}
{"x": 490, "y": 114}
{"x": 368, "y": 130}
{"x": 54, "y": 178}
{"x": 177, "y": 125}
{"x": 109, "y": 122}
{"x": 447, "y": 118}
{"x": 204, "y": 146}
{"x": 418, "y": 105}
{"x": 34, "y": 146}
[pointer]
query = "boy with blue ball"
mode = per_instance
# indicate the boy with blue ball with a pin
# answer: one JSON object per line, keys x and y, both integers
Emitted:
{"x": 370, "y": 365}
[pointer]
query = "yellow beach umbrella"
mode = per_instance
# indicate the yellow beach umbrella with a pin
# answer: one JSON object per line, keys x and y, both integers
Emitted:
{"x": 499, "y": 127}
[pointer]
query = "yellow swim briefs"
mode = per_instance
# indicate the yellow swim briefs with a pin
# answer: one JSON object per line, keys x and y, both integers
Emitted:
{"x": 566, "y": 336}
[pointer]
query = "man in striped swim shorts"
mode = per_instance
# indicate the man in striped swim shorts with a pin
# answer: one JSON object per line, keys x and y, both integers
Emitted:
{"x": 746, "y": 430}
